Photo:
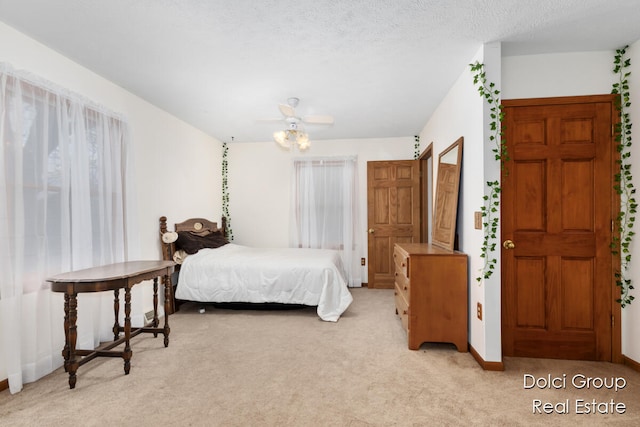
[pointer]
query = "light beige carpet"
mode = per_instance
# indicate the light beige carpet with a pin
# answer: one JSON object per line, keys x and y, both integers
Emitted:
{"x": 288, "y": 368}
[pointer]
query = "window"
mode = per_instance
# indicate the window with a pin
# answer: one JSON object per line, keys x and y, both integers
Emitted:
{"x": 64, "y": 205}
{"x": 325, "y": 209}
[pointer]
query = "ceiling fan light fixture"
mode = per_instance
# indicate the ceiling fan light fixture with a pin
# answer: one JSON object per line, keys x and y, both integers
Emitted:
{"x": 295, "y": 134}
{"x": 282, "y": 139}
{"x": 302, "y": 139}
{"x": 290, "y": 137}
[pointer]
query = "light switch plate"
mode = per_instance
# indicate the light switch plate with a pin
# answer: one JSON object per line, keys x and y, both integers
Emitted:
{"x": 477, "y": 220}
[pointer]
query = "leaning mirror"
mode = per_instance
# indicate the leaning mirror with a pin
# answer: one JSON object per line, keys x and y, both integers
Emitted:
{"x": 445, "y": 209}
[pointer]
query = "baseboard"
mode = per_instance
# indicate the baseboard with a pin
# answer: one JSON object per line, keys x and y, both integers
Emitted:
{"x": 499, "y": 366}
{"x": 487, "y": 366}
{"x": 631, "y": 363}
{"x": 4, "y": 384}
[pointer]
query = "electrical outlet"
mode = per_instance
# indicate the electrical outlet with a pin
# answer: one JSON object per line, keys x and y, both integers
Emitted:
{"x": 479, "y": 311}
{"x": 363, "y": 261}
{"x": 148, "y": 316}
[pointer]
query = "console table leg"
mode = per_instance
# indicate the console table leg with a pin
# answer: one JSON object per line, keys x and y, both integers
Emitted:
{"x": 126, "y": 354}
{"x": 73, "y": 363}
{"x": 155, "y": 305}
{"x": 116, "y": 312}
{"x": 167, "y": 307}
{"x": 65, "y": 350}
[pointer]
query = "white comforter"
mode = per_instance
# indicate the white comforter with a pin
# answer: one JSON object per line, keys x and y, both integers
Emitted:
{"x": 236, "y": 273}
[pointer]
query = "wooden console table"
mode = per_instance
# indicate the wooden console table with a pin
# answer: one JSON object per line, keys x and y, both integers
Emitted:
{"x": 111, "y": 277}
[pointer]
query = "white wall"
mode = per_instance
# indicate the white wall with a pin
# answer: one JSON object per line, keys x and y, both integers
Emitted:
{"x": 260, "y": 180}
{"x": 177, "y": 166}
{"x": 572, "y": 74}
{"x": 631, "y": 314}
{"x": 561, "y": 74}
{"x": 461, "y": 114}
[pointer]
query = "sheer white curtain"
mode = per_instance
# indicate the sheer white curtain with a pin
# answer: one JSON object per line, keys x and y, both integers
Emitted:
{"x": 65, "y": 204}
{"x": 324, "y": 206}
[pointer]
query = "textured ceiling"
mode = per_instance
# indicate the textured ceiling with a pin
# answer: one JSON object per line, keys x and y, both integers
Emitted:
{"x": 379, "y": 67}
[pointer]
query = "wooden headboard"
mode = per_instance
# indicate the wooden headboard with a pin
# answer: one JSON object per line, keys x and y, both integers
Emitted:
{"x": 195, "y": 225}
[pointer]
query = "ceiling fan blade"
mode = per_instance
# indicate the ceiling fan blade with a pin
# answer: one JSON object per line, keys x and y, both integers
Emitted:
{"x": 270, "y": 120}
{"x": 287, "y": 110}
{"x": 318, "y": 119}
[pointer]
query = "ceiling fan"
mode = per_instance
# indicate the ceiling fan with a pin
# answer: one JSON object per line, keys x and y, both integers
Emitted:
{"x": 288, "y": 110}
{"x": 294, "y": 132}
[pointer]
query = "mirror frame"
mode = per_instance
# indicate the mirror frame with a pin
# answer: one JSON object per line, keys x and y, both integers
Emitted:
{"x": 426, "y": 194}
{"x": 445, "y": 209}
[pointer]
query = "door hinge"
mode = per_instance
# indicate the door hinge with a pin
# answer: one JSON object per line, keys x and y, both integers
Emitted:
{"x": 613, "y": 321}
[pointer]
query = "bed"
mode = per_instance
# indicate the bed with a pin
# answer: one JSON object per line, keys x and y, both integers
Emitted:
{"x": 212, "y": 270}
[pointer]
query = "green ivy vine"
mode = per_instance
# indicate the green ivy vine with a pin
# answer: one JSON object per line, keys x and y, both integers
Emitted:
{"x": 621, "y": 244}
{"x": 491, "y": 208}
{"x": 225, "y": 190}
{"x": 416, "y": 147}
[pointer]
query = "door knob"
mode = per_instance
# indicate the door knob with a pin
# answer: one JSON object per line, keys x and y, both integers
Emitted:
{"x": 371, "y": 231}
{"x": 508, "y": 244}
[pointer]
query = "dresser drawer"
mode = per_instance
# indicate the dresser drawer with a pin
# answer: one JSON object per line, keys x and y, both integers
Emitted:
{"x": 402, "y": 282}
{"x": 401, "y": 260}
{"x": 402, "y": 307}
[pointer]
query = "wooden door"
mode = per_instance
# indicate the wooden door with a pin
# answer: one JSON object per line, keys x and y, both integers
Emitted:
{"x": 393, "y": 212}
{"x": 558, "y": 205}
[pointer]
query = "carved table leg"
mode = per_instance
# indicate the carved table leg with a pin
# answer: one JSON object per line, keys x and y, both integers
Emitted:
{"x": 73, "y": 363}
{"x": 126, "y": 354}
{"x": 155, "y": 305}
{"x": 167, "y": 307}
{"x": 65, "y": 350}
{"x": 116, "y": 312}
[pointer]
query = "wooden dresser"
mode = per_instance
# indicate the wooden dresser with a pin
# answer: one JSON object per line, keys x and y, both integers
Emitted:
{"x": 431, "y": 294}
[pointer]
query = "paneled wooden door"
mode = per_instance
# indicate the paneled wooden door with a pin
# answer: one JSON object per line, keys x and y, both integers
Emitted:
{"x": 558, "y": 205}
{"x": 393, "y": 215}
